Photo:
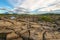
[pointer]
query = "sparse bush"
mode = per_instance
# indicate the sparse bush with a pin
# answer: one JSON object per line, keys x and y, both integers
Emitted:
{"x": 45, "y": 18}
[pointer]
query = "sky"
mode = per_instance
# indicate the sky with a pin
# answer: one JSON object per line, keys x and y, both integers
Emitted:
{"x": 5, "y": 4}
{"x": 31, "y": 5}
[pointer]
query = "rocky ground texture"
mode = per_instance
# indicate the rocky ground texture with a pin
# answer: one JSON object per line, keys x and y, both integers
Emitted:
{"x": 26, "y": 29}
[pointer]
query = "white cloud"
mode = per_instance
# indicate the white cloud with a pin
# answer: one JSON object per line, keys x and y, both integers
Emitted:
{"x": 15, "y": 2}
{"x": 50, "y": 8}
{"x": 34, "y": 4}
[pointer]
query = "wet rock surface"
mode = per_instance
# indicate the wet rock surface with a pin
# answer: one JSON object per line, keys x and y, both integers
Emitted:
{"x": 28, "y": 30}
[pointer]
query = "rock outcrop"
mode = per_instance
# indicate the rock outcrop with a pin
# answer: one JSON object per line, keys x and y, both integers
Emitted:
{"x": 28, "y": 30}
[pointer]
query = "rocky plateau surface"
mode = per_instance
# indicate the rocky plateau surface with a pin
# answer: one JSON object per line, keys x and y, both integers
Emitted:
{"x": 23, "y": 29}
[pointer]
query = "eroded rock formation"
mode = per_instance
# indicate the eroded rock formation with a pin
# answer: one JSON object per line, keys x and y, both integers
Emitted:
{"x": 28, "y": 30}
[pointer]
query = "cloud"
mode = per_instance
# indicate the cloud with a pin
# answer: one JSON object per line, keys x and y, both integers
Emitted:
{"x": 56, "y": 6}
{"x": 35, "y": 4}
{"x": 15, "y": 2}
{"x": 50, "y": 8}
{"x": 4, "y": 9}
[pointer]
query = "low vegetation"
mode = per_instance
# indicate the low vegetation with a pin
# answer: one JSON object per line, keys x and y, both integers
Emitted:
{"x": 45, "y": 18}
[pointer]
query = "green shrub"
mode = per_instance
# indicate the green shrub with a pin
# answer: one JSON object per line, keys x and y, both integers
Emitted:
{"x": 45, "y": 18}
